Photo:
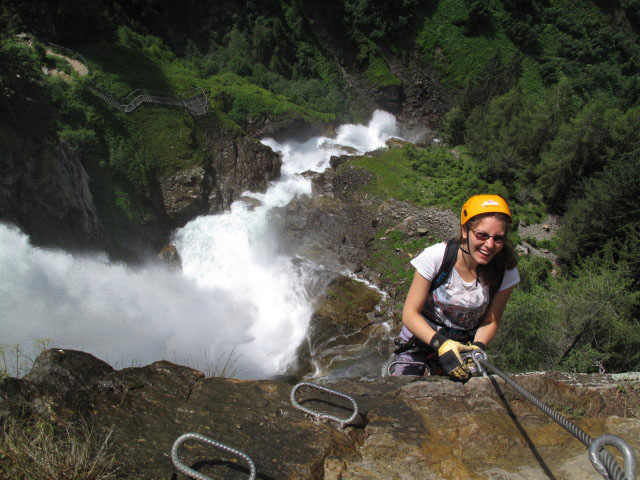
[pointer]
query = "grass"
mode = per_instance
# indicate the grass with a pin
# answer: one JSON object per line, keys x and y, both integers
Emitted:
{"x": 163, "y": 139}
{"x": 14, "y": 361}
{"x": 393, "y": 176}
{"x": 222, "y": 364}
{"x": 379, "y": 74}
{"x": 391, "y": 255}
{"x": 436, "y": 177}
{"x": 35, "y": 450}
{"x": 428, "y": 177}
{"x": 251, "y": 102}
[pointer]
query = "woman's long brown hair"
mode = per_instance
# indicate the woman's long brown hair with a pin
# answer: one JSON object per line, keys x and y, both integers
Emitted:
{"x": 505, "y": 259}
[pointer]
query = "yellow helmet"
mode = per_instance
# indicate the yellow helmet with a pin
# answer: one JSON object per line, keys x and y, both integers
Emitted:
{"x": 483, "y": 204}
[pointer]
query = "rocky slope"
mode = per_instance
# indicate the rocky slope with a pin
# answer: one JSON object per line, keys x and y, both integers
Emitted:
{"x": 408, "y": 428}
{"x": 48, "y": 193}
{"x": 337, "y": 224}
{"x": 235, "y": 163}
{"x": 48, "y": 196}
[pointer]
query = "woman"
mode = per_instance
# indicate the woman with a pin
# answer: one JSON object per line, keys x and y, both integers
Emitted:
{"x": 463, "y": 312}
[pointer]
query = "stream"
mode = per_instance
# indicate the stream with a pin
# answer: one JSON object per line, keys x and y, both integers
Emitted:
{"x": 240, "y": 307}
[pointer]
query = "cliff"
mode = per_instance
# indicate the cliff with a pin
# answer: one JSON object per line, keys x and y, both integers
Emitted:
{"x": 49, "y": 194}
{"x": 408, "y": 427}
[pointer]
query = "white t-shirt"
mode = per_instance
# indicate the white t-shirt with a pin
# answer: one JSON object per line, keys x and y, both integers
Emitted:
{"x": 456, "y": 303}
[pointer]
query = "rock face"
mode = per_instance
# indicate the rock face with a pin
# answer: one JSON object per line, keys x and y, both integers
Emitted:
{"x": 46, "y": 192}
{"x": 48, "y": 195}
{"x": 419, "y": 102}
{"x": 235, "y": 163}
{"x": 344, "y": 332}
{"x": 336, "y": 226}
{"x": 409, "y": 427}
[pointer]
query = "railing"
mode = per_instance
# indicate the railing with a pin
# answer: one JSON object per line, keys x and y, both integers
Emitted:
{"x": 69, "y": 53}
{"x": 603, "y": 461}
{"x": 195, "y": 104}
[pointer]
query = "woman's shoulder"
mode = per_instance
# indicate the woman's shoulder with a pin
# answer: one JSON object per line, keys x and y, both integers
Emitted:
{"x": 436, "y": 250}
{"x": 429, "y": 260}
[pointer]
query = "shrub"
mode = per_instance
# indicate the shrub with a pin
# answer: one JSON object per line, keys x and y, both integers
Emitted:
{"x": 579, "y": 323}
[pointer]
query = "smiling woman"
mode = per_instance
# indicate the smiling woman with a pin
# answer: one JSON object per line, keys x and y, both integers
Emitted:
{"x": 459, "y": 292}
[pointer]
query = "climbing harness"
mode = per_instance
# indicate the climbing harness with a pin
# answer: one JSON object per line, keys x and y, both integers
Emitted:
{"x": 182, "y": 468}
{"x": 342, "y": 421}
{"x": 601, "y": 459}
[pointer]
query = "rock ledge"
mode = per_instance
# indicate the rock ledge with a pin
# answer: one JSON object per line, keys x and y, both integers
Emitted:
{"x": 410, "y": 427}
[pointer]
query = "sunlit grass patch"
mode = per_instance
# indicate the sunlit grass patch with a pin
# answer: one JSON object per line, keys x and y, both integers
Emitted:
{"x": 31, "y": 450}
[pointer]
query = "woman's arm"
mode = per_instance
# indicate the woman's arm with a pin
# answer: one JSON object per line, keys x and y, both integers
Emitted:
{"x": 489, "y": 326}
{"x": 413, "y": 306}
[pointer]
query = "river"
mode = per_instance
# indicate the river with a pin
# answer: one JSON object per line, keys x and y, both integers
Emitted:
{"x": 240, "y": 306}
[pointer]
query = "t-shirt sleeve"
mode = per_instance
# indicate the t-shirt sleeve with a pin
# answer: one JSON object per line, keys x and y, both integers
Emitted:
{"x": 511, "y": 277}
{"x": 429, "y": 261}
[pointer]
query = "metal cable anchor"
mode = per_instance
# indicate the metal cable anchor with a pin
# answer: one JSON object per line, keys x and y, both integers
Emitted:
{"x": 182, "y": 468}
{"x": 477, "y": 355}
{"x": 342, "y": 421}
{"x": 595, "y": 449}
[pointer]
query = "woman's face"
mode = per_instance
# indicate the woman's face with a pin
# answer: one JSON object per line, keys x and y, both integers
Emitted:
{"x": 486, "y": 238}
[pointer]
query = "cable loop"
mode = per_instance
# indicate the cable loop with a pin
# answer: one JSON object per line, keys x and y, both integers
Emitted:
{"x": 342, "y": 421}
{"x": 595, "y": 450}
{"x": 182, "y": 468}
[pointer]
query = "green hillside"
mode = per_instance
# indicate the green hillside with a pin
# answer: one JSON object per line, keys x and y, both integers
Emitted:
{"x": 545, "y": 107}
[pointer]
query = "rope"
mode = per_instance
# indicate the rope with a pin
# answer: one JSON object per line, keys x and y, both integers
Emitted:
{"x": 342, "y": 421}
{"x": 182, "y": 468}
{"x": 601, "y": 459}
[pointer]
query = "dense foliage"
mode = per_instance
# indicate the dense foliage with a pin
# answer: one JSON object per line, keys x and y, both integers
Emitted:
{"x": 546, "y": 103}
{"x": 548, "y": 106}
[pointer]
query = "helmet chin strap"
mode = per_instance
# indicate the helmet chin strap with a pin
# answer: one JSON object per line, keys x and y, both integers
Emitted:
{"x": 468, "y": 252}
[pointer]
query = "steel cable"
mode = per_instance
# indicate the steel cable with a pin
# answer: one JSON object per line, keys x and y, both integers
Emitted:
{"x": 608, "y": 467}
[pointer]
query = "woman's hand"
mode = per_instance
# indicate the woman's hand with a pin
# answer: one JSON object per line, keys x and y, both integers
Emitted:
{"x": 469, "y": 362}
{"x": 449, "y": 354}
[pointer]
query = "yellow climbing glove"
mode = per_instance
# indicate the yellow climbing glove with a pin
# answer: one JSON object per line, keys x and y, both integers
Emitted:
{"x": 449, "y": 355}
{"x": 471, "y": 365}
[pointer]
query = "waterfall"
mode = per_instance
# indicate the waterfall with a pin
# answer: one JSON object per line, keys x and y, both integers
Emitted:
{"x": 239, "y": 297}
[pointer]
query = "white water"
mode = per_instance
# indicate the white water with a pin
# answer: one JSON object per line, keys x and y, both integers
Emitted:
{"x": 238, "y": 290}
